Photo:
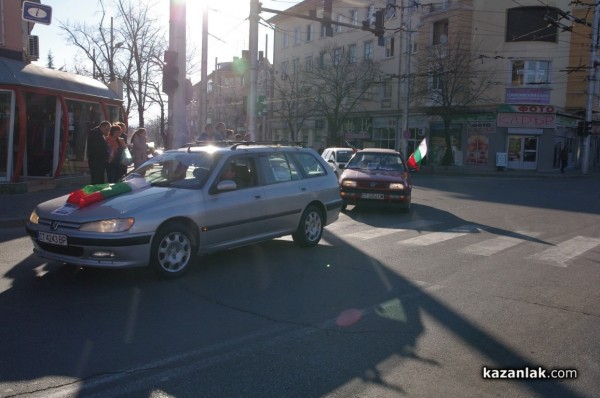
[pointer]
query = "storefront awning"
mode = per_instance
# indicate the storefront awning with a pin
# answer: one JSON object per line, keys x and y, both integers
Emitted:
{"x": 19, "y": 73}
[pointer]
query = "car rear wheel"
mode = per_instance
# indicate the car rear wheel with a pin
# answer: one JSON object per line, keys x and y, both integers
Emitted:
{"x": 172, "y": 250}
{"x": 310, "y": 229}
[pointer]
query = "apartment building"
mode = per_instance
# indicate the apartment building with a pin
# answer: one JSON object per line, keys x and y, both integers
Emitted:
{"x": 228, "y": 87}
{"x": 488, "y": 82}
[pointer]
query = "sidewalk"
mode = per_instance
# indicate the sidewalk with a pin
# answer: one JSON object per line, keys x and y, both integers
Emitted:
{"x": 16, "y": 208}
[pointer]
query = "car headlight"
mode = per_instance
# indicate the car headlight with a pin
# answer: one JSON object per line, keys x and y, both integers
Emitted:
{"x": 397, "y": 185}
{"x": 34, "y": 218}
{"x": 107, "y": 226}
{"x": 349, "y": 183}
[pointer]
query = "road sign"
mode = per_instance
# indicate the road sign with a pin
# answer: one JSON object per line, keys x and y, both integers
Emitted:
{"x": 35, "y": 12}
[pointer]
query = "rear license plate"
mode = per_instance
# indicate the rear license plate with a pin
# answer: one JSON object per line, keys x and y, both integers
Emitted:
{"x": 372, "y": 196}
{"x": 54, "y": 239}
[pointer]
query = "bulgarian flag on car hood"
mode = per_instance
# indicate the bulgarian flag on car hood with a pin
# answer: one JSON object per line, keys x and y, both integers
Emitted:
{"x": 414, "y": 161}
{"x": 95, "y": 193}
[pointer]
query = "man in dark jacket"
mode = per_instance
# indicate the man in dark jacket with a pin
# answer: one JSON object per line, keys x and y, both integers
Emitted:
{"x": 97, "y": 151}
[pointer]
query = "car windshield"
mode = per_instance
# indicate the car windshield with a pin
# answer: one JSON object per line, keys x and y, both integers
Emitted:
{"x": 176, "y": 169}
{"x": 376, "y": 161}
{"x": 344, "y": 156}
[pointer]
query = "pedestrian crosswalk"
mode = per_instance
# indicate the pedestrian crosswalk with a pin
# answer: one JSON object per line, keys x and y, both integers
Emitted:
{"x": 483, "y": 241}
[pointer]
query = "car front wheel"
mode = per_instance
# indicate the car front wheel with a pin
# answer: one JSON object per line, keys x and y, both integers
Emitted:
{"x": 310, "y": 229}
{"x": 172, "y": 250}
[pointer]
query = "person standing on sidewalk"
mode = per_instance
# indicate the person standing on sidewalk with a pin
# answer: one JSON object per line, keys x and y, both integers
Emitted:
{"x": 97, "y": 152}
{"x": 564, "y": 158}
{"x": 139, "y": 147}
{"x": 116, "y": 145}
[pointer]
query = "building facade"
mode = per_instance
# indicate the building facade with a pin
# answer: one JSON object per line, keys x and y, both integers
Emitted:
{"x": 520, "y": 97}
{"x": 45, "y": 114}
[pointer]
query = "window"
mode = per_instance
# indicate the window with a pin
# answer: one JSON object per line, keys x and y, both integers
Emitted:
{"x": 310, "y": 165}
{"x": 529, "y": 24}
{"x": 309, "y": 32}
{"x": 340, "y": 19}
{"x": 389, "y": 47}
{"x": 390, "y": 9}
{"x": 354, "y": 17}
{"x": 296, "y": 66}
{"x": 352, "y": 54}
{"x": 284, "y": 69}
{"x": 525, "y": 73}
{"x": 337, "y": 55}
{"x": 368, "y": 50}
{"x": 437, "y": 80}
{"x": 286, "y": 40}
{"x": 322, "y": 60}
{"x": 297, "y": 39}
{"x": 308, "y": 62}
{"x": 371, "y": 15}
{"x": 387, "y": 89}
{"x": 440, "y": 32}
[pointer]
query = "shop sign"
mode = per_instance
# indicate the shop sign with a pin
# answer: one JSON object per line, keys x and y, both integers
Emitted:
{"x": 527, "y": 95}
{"x": 527, "y": 120}
{"x": 481, "y": 127}
{"x": 527, "y": 108}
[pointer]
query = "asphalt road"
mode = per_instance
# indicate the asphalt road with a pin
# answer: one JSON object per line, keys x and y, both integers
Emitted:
{"x": 483, "y": 274}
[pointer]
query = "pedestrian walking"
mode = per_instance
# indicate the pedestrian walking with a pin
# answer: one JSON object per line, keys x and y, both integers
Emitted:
{"x": 139, "y": 147}
{"x": 97, "y": 152}
{"x": 124, "y": 131}
{"x": 116, "y": 145}
{"x": 564, "y": 158}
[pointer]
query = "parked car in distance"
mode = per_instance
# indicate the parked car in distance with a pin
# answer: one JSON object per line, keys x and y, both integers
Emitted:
{"x": 337, "y": 158}
{"x": 191, "y": 201}
{"x": 376, "y": 176}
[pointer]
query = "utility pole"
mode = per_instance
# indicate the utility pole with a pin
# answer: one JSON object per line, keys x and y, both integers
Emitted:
{"x": 406, "y": 81}
{"x": 204, "y": 70}
{"x": 585, "y": 160}
{"x": 177, "y": 115}
{"x": 253, "y": 53}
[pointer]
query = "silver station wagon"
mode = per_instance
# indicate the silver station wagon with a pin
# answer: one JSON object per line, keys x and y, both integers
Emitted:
{"x": 190, "y": 201}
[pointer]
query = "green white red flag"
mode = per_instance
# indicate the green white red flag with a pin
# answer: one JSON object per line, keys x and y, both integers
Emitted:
{"x": 97, "y": 192}
{"x": 414, "y": 161}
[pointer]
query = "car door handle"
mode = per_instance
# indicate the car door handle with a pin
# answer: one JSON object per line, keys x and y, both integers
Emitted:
{"x": 257, "y": 196}
{"x": 303, "y": 188}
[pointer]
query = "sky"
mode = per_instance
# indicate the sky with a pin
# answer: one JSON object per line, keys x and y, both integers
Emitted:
{"x": 227, "y": 27}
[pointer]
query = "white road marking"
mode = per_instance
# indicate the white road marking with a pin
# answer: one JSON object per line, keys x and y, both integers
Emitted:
{"x": 565, "y": 251}
{"x": 494, "y": 245}
{"x": 437, "y": 237}
{"x": 373, "y": 233}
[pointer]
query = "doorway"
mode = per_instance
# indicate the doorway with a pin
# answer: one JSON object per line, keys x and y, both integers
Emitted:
{"x": 522, "y": 152}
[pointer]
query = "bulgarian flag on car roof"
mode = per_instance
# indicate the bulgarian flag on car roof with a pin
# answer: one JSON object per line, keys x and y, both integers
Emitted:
{"x": 414, "y": 161}
{"x": 95, "y": 193}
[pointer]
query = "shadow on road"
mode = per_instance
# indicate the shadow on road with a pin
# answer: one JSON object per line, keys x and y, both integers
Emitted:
{"x": 332, "y": 317}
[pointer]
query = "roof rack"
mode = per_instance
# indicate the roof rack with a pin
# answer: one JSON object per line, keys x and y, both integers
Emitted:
{"x": 235, "y": 144}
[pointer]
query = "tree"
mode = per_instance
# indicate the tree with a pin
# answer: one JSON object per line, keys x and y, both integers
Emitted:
{"x": 127, "y": 47}
{"x": 449, "y": 81}
{"x": 294, "y": 104}
{"x": 339, "y": 87}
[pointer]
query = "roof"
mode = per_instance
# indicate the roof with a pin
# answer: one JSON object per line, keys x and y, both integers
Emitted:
{"x": 14, "y": 72}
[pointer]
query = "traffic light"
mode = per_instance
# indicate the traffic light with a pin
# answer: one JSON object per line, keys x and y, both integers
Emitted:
{"x": 327, "y": 12}
{"x": 170, "y": 73}
{"x": 379, "y": 28}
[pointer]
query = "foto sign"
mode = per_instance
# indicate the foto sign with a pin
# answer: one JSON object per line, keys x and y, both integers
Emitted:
{"x": 35, "y": 12}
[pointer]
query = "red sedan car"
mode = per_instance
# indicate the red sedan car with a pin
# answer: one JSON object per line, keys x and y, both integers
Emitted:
{"x": 376, "y": 176}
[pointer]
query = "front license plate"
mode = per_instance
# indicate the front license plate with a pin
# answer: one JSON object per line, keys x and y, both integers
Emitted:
{"x": 372, "y": 196}
{"x": 54, "y": 239}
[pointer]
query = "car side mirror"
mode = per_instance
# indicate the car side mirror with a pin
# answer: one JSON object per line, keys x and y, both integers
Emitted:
{"x": 226, "y": 185}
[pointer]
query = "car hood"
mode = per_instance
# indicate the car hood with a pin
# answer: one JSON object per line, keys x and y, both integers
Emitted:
{"x": 124, "y": 205}
{"x": 376, "y": 174}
